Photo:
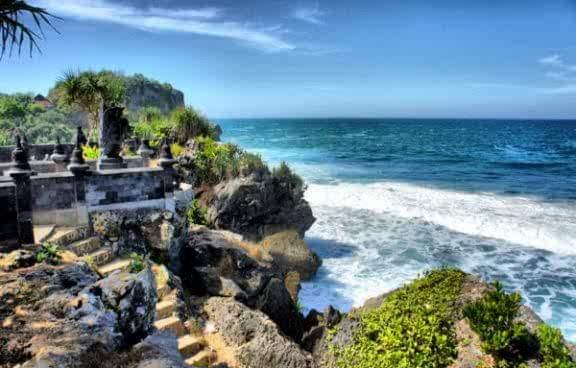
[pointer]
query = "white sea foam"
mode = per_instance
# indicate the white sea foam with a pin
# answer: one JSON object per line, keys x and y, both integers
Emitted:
{"x": 517, "y": 220}
{"x": 375, "y": 237}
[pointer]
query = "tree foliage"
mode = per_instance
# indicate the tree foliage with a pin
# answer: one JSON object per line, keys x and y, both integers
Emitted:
{"x": 14, "y": 33}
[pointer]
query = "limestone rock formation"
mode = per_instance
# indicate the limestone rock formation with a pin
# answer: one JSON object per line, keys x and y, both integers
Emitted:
{"x": 255, "y": 339}
{"x": 213, "y": 265}
{"x": 62, "y": 316}
{"x": 291, "y": 253}
{"x": 257, "y": 206}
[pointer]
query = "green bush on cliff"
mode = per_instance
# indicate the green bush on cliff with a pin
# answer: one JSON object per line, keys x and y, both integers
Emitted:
{"x": 554, "y": 352}
{"x": 412, "y": 328}
{"x": 215, "y": 162}
{"x": 284, "y": 174}
{"x": 493, "y": 319}
{"x": 196, "y": 214}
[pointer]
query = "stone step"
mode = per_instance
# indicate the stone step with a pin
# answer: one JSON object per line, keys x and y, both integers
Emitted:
{"x": 118, "y": 265}
{"x": 43, "y": 233}
{"x": 64, "y": 236}
{"x": 101, "y": 256}
{"x": 165, "y": 309}
{"x": 84, "y": 247}
{"x": 202, "y": 359}
{"x": 190, "y": 345}
{"x": 173, "y": 324}
{"x": 163, "y": 291}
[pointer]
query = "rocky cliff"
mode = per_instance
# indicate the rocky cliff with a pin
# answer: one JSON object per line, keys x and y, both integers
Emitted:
{"x": 144, "y": 92}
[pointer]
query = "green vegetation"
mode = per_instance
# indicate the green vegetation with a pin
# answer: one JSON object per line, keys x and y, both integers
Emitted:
{"x": 181, "y": 125}
{"x": 49, "y": 253}
{"x": 137, "y": 263}
{"x": 554, "y": 352}
{"x": 20, "y": 114}
{"x": 285, "y": 175}
{"x": 90, "y": 153}
{"x": 492, "y": 318}
{"x": 412, "y": 328}
{"x": 214, "y": 162}
{"x": 196, "y": 214}
{"x": 14, "y": 33}
{"x": 87, "y": 90}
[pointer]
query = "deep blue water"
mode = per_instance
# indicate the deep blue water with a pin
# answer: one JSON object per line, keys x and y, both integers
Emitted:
{"x": 394, "y": 198}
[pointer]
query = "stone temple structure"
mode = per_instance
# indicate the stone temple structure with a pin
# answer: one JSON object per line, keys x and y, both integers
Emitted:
{"x": 66, "y": 190}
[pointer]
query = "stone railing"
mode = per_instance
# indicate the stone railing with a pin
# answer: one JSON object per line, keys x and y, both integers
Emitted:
{"x": 67, "y": 198}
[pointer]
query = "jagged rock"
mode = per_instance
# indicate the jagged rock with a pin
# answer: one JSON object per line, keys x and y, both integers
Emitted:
{"x": 212, "y": 265}
{"x": 133, "y": 297}
{"x": 277, "y": 303}
{"x": 159, "y": 350}
{"x": 155, "y": 232}
{"x": 255, "y": 339}
{"x": 291, "y": 253}
{"x": 16, "y": 259}
{"x": 257, "y": 206}
{"x": 62, "y": 316}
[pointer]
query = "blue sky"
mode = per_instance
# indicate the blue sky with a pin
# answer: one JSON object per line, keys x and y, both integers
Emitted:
{"x": 362, "y": 58}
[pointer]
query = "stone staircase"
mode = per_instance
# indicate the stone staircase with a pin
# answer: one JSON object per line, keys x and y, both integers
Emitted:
{"x": 192, "y": 345}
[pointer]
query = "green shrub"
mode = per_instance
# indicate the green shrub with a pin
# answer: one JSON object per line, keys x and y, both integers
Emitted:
{"x": 49, "y": 253}
{"x": 284, "y": 174}
{"x": 90, "y": 153}
{"x": 137, "y": 263}
{"x": 492, "y": 318}
{"x": 554, "y": 352}
{"x": 196, "y": 214}
{"x": 188, "y": 124}
{"x": 412, "y": 328}
{"x": 177, "y": 150}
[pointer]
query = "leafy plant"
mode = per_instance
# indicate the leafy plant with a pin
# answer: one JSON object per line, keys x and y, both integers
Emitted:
{"x": 137, "y": 263}
{"x": 189, "y": 124}
{"x": 553, "y": 350}
{"x": 88, "y": 89}
{"x": 49, "y": 253}
{"x": 285, "y": 175}
{"x": 196, "y": 214}
{"x": 412, "y": 328}
{"x": 90, "y": 153}
{"x": 177, "y": 150}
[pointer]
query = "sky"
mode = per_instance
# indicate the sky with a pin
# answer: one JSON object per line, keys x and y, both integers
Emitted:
{"x": 336, "y": 58}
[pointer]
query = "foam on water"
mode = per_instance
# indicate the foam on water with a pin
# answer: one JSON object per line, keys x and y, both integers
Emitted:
{"x": 375, "y": 237}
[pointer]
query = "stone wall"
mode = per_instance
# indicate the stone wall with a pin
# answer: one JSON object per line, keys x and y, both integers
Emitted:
{"x": 8, "y": 217}
{"x": 48, "y": 166}
{"x": 37, "y": 151}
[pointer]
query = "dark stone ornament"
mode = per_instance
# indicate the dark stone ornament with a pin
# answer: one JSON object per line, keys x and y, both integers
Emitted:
{"x": 59, "y": 155}
{"x": 166, "y": 159}
{"x": 78, "y": 165}
{"x": 20, "y": 159}
{"x": 114, "y": 128}
{"x": 145, "y": 150}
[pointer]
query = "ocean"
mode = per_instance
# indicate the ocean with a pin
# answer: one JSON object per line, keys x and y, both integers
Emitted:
{"x": 396, "y": 197}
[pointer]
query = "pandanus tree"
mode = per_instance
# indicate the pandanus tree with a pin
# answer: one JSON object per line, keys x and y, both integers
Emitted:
{"x": 15, "y": 33}
{"x": 89, "y": 91}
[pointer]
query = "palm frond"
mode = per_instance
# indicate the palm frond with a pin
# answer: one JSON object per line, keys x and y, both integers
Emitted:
{"x": 14, "y": 33}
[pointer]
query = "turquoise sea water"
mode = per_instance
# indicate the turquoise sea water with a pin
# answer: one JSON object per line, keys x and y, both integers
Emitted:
{"x": 394, "y": 198}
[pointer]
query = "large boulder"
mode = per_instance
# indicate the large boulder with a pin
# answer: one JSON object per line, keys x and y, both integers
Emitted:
{"x": 256, "y": 206}
{"x": 58, "y": 316}
{"x": 255, "y": 340}
{"x": 145, "y": 231}
{"x": 291, "y": 253}
{"x": 212, "y": 265}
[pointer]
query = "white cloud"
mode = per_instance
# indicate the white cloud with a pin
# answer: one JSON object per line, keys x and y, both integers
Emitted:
{"x": 309, "y": 14}
{"x": 201, "y": 21}
{"x": 553, "y": 60}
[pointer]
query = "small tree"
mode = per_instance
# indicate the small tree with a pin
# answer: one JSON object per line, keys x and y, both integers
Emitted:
{"x": 87, "y": 90}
